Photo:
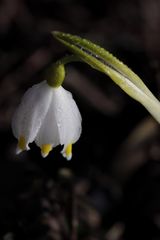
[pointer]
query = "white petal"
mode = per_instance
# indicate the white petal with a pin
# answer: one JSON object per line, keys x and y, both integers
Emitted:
{"x": 67, "y": 116}
{"x": 31, "y": 111}
{"x": 48, "y": 133}
{"x": 62, "y": 123}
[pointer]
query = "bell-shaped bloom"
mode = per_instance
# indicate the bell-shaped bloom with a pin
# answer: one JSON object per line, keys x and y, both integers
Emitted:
{"x": 49, "y": 116}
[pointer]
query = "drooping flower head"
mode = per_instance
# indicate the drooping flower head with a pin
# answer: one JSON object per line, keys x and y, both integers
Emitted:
{"x": 49, "y": 116}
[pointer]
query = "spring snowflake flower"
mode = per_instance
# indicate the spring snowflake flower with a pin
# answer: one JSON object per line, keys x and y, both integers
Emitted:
{"x": 49, "y": 116}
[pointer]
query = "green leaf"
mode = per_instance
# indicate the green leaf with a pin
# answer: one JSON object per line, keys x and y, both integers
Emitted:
{"x": 100, "y": 59}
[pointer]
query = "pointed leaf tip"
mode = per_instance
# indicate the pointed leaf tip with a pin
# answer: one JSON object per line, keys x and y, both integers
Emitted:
{"x": 55, "y": 33}
{"x": 58, "y": 34}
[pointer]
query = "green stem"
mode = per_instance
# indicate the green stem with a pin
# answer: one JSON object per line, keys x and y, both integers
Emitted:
{"x": 68, "y": 59}
{"x": 56, "y": 73}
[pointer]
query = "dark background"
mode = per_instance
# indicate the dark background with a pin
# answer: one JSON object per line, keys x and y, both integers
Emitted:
{"x": 111, "y": 188}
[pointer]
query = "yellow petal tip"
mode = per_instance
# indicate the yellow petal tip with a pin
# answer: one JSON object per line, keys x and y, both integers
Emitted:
{"x": 21, "y": 145}
{"x": 45, "y": 149}
{"x": 67, "y": 153}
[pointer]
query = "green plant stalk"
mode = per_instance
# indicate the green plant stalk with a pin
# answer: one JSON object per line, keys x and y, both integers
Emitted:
{"x": 55, "y": 74}
{"x": 103, "y": 61}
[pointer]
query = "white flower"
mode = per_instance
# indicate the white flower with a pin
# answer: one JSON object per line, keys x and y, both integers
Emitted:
{"x": 49, "y": 116}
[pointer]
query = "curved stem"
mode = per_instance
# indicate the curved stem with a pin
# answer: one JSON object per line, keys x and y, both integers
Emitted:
{"x": 68, "y": 59}
{"x": 55, "y": 74}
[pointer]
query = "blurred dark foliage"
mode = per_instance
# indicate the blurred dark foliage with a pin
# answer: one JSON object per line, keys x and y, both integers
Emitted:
{"x": 111, "y": 188}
